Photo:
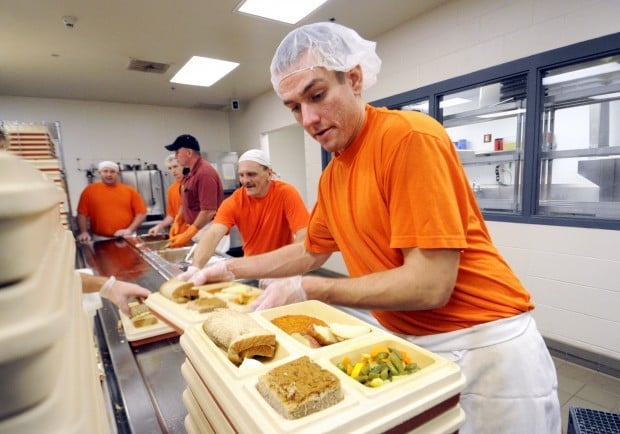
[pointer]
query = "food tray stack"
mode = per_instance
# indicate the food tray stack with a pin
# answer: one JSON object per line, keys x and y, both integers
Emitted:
{"x": 226, "y": 396}
{"x": 48, "y": 369}
{"x": 34, "y": 143}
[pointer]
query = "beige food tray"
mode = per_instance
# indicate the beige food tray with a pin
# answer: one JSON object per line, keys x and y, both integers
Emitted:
{"x": 433, "y": 389}
{"x": 137, "y": 335}
{"x": 178, "y": 315}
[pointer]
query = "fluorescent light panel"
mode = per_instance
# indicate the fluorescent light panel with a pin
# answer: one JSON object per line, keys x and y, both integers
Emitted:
{"x": 203, "y": 71}
{"x": 582, "y": 73}
{"x": 606, "y": 96}
{"x": 287, "y": 11}
{"x": 502, "y": 114}
{"x": 451, "y": 102}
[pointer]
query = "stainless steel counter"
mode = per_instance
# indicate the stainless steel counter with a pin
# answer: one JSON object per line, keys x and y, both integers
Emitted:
{"x": 144, "y": 383}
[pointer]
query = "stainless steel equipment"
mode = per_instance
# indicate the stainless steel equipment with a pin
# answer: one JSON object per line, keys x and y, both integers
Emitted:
{"x": 150, "y": 184}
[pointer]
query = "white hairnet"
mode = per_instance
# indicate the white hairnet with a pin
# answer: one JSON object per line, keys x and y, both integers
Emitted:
{"x": 257, "y": 156}
{"x": 108, "y": 165}
{"x": 328, "y": 45}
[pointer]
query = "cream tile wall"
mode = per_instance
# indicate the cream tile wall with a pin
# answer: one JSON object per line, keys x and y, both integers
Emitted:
{"x": 572, "y": 274}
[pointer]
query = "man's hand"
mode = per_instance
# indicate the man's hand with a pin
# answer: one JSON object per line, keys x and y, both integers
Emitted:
{"x": 123, "y": 232}
{"x": 187, "y": 274}
{"x": 217, "y": 272}
{"x": 121, "y": 292}
{"x": 178, "y": 225}
{"x": 155, "y": 229}
{"x": 83, "y": 237}
{"x": 183, "y": 238}
{"x": 279, "y": 292}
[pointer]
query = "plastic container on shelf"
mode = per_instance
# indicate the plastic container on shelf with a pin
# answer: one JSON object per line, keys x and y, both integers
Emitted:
{"x": 31, "y": 334}
{"x": 37, "y": 295}
{"x": 74, "y": 405}
{"x": 29, "y": 214}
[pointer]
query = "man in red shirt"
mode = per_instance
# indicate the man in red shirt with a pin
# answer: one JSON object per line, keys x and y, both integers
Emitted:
{"x": 201, "y": 191}
{"x": 112, "y": 208}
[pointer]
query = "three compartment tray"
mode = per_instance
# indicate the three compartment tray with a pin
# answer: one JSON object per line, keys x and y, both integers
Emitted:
{"x": 425, "y": 401}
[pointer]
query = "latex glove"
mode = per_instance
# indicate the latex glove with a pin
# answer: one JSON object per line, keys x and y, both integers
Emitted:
{"x": 178, "y": 225}
{"x": 217, "y": 272}
{"x": 279, "y": 292}
{"x": 122, "y": 232}
{"x": 119, "y": 293}
{"x": 184, "y": 237}
{"x": 187, "y": 274}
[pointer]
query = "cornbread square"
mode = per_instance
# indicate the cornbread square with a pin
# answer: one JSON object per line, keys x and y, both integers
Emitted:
{"x": 299, "y": 388}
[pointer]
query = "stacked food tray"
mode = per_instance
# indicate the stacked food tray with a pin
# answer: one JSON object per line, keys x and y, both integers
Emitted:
{"x": 48, "y": 369}
{"x": 34, "y": 144}
{"x": 222, "y": 397}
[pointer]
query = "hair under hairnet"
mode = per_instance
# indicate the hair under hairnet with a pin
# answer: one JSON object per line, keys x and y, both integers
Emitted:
{"x": 328, "y": 45}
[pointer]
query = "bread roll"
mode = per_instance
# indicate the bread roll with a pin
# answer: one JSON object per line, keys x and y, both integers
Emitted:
{"x": 239, "y": 334}
{"x": 175, "y": 289}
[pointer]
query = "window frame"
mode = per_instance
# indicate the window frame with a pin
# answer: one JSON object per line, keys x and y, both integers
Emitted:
{"x": 533, "y": 67}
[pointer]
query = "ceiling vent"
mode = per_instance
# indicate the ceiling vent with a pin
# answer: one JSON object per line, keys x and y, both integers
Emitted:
{"x": 148, "y": 66}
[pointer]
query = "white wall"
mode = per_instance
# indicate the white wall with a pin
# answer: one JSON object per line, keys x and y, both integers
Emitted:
{"x": 95, "y": 131}
{"x": 571, "y": 272}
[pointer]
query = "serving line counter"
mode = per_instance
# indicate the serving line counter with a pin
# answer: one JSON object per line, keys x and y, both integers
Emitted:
{"x": 150, "y": 389}
{"x": 144, "y": 383}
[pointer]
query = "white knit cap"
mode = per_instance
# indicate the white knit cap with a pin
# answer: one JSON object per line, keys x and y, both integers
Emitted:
{"x": 108, "y": 165}
{"x": 256, "y": 155}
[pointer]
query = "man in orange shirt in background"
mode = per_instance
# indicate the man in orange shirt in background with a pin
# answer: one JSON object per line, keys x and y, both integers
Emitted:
{"x": 112, "y": 208}
{"x": 395, "y": 201}
{"x": 268, "y": 213}
{"x": 173, "y": 196}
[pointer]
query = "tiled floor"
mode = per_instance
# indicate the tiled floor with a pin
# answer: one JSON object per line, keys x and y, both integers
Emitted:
{"x": 583, "y": 387}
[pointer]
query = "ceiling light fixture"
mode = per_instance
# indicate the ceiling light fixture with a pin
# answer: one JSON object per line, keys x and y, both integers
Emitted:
{"x": 203, "y": 71}
{"x": 604, "y": 68}
{"x": 502, "y": 114}
{"x": 287, "y": 11}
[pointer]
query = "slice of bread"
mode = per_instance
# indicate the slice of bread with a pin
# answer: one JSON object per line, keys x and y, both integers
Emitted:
{"x": 206, "y": 304}
{"x": 175, "y": 289}
{"x": 239, "y": 335}
{"x": 299, "y": 388}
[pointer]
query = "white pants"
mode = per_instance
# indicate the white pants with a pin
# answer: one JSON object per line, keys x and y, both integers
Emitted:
{"x": 511, "y": 383}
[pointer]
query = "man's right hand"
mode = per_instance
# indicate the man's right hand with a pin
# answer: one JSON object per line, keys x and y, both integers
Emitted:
{"x": 83, "y": 237}
{"x": 187, "y": 274}
{"x": 155, "y": 230}
{"x": 217, "y": 272}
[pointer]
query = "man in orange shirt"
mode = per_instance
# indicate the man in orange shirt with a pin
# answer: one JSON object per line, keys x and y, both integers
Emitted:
{"x": 268, "y": 213}
{"x": 395, "y": 201}
{"x": 173, "y": 201}
{"x": 112, "y": 208}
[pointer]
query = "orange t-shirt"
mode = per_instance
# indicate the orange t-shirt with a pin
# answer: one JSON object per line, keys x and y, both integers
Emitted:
{"x": 174, "y": 200}
{"x": 400, "y": 185}
{"x": 265, "y": 223}
{"x": 110, "y": 208}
